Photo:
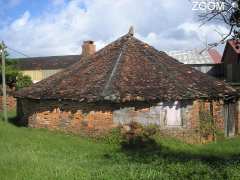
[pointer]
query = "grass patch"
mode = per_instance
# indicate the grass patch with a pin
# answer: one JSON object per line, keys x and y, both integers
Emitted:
{"x": 40, "y": 154}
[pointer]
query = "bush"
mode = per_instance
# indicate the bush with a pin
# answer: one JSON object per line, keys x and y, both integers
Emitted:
{"x": 136, "y": 136}
{"x": 23, "y": 81}
{"x": 132, "y": 136}
{"x": 11, "y": 72}
{"x": 14, "y": 78}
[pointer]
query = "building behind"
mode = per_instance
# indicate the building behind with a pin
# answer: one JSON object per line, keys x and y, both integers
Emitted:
{"x": 231, "y": 63}
{"x": 39, "y": 68}
{"x": 208, "y": 61}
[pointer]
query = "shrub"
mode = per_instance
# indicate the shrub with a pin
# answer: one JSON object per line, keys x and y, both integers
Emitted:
{"x": 23, "y": 81}
{"x": 135, "y": 136}
{"x": 11, "y": 72}
{"x": 207, "y": 126}
{"x": 132, "y": 136}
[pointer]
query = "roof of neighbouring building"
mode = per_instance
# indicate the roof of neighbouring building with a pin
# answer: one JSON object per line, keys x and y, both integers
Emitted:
{"x": 232, "y": 51}
{"x": 235, "y": 45}
{"x": 128, "y": 70}
{"x": 50, "y": 62}
{"x": 197, "y": 56}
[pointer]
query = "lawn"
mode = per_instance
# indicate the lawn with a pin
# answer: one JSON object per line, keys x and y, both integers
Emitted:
{"x": 40, "y": 154}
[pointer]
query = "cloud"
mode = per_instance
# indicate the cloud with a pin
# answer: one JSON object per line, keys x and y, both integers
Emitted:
{"x": 20, "y": 23}
{"x": 5, "y": 6}
{"x": 58, "y": 2}
{"x": 164, "y": 24}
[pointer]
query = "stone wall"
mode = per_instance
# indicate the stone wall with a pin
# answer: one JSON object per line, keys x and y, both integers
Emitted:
{"x": 66, "y": 116}
{"x": 98, "y": 118}
{"x": 11, "y": 103}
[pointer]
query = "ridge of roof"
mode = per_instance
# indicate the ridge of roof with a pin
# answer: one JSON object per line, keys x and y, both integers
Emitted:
{"x": 122, "y": 50}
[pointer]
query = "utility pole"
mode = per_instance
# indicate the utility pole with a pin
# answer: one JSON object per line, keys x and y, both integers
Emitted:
{"x": 4, "y": 91}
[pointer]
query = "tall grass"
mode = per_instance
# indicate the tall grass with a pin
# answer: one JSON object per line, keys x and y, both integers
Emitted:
{"x": 40, "y": 154}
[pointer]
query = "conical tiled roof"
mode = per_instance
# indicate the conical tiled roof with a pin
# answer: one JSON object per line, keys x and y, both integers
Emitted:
{"x": 128, "y": 70}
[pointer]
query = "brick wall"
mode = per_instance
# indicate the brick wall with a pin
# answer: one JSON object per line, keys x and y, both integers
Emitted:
{"x": 66, "y": 116}
{"x": 218, "y": 114}
{"x": 190, "y": 132}
{"x": 11, "y": 103}
{"x": 98, "y": 118}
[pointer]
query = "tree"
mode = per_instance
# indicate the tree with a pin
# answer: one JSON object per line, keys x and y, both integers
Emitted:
{"x": 226, "y": 12}
{"x": 14, "y": 78}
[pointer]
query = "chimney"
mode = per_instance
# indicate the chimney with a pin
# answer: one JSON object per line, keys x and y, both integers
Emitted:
{"x": 88, "y": 48}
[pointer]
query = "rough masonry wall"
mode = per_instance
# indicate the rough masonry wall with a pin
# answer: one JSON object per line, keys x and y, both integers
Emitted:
{"x": 11, "y": 103}
{"x": 189, "y": 130}
{"x": 65, "y": 116}
{"x": 93, "y": 119}
{"x": 157, "y": 115}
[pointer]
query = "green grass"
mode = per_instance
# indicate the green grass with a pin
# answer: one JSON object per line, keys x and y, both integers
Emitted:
{"x": 40, "y": 154}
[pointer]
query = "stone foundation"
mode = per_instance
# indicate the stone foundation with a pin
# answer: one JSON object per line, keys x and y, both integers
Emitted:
{"x": 94, "y": 119}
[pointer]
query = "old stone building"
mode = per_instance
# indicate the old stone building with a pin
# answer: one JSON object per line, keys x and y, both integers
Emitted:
{"x": 39, "y": 68}
{"x": 129, "y": 80}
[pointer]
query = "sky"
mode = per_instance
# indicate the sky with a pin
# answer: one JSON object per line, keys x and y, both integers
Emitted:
{"x": 58, "y": 27}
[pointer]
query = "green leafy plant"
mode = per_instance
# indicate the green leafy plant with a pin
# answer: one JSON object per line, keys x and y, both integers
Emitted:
{"x": 11, "y": 73}
{"x": 207, "y": 125}
{"x": 14, "y": 78}
{"x": 23, "y": 81}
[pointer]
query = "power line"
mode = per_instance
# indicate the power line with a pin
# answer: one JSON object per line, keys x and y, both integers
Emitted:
{"x": 18, "y": 52}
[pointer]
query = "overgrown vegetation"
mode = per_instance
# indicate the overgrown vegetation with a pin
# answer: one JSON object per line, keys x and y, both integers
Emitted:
{"x": 207, "y": 125}
{"x": 14, "y": 78}
{"x": 135, "y": 136}
{"x": 23, "y": 81}
{"x": 132, "y": 136}
{"x": 27, "y": 153}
